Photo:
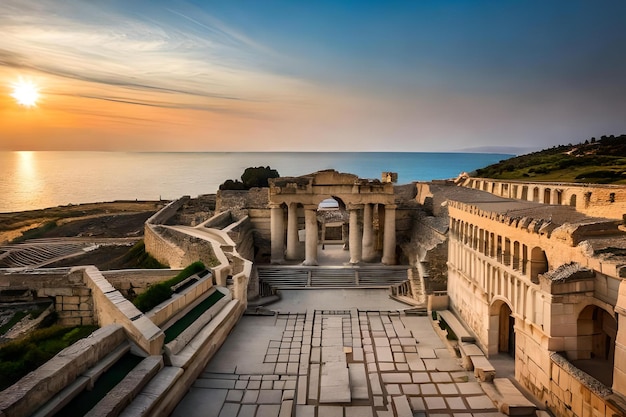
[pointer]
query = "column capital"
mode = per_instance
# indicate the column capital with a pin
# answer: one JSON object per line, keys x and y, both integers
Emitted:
{"x": 275, "y": 205}
{"x": 354, "y": 206}
{"x": 391, "y": 206}
{"x": 310, "y": 206}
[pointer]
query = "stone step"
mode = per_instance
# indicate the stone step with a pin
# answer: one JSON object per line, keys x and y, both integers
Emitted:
{"x": 128, "y": 388}
{"x": 508, "y": 398}
{"x": 293, "y": 277}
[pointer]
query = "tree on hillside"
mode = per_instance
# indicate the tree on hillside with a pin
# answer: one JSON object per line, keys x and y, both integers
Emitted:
{"x": 251, "y": 177}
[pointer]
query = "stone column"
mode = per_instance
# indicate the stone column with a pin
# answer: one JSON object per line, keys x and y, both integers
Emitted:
{"x": 389, "y": 242}
{"x": 292, "y": 231}
{"x": 355, "y": 235}
{"x": 310, "y": 223}
{"x": 277, "y": 228}
{"x": 368, "y": 233}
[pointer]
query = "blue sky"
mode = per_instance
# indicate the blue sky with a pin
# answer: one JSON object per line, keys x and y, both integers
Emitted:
{"x": 324, "y": 75}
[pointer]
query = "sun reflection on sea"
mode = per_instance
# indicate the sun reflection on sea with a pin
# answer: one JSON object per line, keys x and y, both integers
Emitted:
{"x": 27, "y": 176}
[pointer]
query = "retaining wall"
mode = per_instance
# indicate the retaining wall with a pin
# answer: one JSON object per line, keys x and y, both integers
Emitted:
{"x": 38, "y": 387}
{"x": 111, "y": 307}
{"x": 131, "y": 282}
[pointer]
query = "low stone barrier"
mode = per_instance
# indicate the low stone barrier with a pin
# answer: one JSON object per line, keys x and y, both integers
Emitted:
{"x": 456, "y": 326}
{"x": 168, "y": 390}
{"x": 468, "y": 351}
{"x": 164, "y": 312}
{"x": 176, "y": 345}
{"x": 110, "y": 306}
{"x": 31, "y": 392}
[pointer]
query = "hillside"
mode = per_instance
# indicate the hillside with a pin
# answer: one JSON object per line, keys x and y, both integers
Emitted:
{"x": 601, "y": 161}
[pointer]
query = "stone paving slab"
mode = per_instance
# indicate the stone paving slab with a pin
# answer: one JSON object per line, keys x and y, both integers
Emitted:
{"x": 335, "y": 362}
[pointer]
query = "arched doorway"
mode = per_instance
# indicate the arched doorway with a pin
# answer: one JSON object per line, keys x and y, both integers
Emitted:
{"x": 595, "y": 343}
{"x": 506, "y": 330}
{"x": 547, "y": 193}
{"x": 538, "y": 264}
{"x": 333, "y": 217}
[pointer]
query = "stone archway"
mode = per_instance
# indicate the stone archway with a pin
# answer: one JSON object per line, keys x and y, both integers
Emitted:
{"x": 506, "y": 331}
{"x": 358, "y": 196}
{"x": 538, "y": 263}
{"x": 501, "y": 328}
{"x": 596, "y": 333}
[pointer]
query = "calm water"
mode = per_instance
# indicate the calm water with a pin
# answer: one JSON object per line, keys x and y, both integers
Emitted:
{"x": 33, "y": 180}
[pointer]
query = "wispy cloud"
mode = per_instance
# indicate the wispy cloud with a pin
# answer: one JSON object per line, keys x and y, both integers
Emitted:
{"x": 199, "y": 60}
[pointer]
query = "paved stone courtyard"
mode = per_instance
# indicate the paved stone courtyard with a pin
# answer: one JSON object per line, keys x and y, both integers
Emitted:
{"x": 347, "y": 363}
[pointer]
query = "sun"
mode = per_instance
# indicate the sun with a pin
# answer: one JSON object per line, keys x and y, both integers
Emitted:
{"x": 26, "y": 93}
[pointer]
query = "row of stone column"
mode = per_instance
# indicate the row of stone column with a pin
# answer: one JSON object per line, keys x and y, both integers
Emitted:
{"x": 361, "y": 245}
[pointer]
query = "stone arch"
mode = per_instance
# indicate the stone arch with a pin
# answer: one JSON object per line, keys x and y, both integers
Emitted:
{"x": 524, "y": 195}
{"x": 558, "y": 195}
{"x": 501, "y": 327}
{"x": 536, "y": 194}
{"x": 333, "y": 219}
{"x": 538, "y": 263}
{"x": 572, "y": 200}
{"x": 587, "y": 198}
{"x": 596, "y": 332}
{"x": 358, "y": 196}
{"x": 547, "y": 194}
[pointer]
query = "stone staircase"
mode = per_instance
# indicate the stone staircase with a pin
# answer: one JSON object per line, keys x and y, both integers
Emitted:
{"x": 293, "y": 277}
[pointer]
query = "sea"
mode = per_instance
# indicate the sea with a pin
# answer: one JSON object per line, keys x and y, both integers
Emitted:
{"x": 32, "y": 180}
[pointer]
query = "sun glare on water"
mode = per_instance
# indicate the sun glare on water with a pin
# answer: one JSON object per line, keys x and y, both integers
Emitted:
{"x": 26, "y": 93}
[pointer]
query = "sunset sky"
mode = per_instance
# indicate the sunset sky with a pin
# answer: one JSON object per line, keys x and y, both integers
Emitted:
{"x": 317, "y": 75}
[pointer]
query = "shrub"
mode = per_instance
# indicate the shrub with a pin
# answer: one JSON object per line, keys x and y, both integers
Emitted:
{"x": 19, "y": 357}
{"x": 251, "y": 177}
{"x": 160, "y": 292}
{"x": 138, "y": 255}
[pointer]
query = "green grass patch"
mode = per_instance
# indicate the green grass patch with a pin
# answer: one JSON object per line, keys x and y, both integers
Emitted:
{"x": 87, "y": 399}
{"x": 19, "y": 357}
{"x": 160, "y": 292}
{"x": 177, "y": 328}
{"x": 605, "y": 159}
{"x": 138, "y": 256}
{"x": 35, "y": 232}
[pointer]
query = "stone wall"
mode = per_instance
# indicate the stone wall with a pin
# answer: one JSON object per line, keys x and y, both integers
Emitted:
{"x": 132, "y": 282}
{"x": 242, "y": 234}
{"x": 111, "y": 307}
{"x": 253, "y": 203}
{"x": 39, "y": 386}
{"x": 163, "y": 250}
{"x": 72, "y": 299}
{"x": 597, "y": 200}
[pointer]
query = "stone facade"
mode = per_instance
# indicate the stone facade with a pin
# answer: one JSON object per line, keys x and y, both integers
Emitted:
{"x": 532, "y": 279}
{"x": 596, "y": 200}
